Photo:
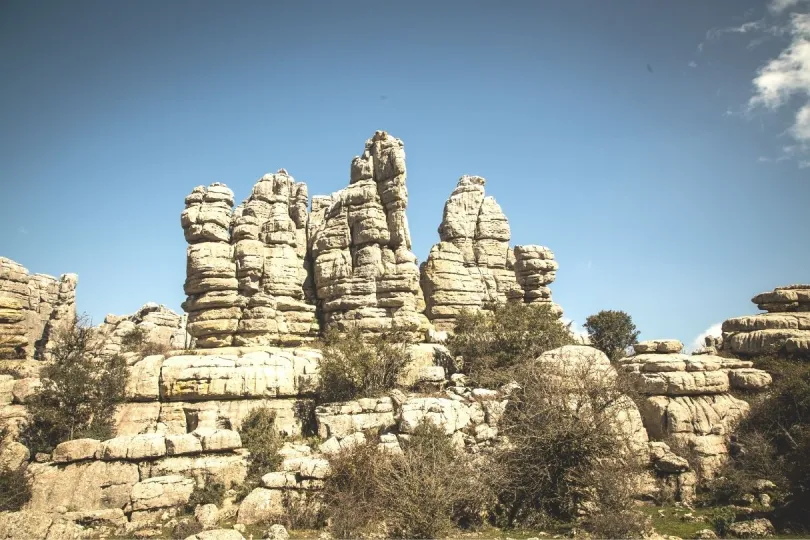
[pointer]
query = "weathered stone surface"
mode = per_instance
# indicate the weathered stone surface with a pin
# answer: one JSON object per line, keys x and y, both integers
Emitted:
{"x": 342, "y": 419}
{"x": 218, "y": 440}
{"x": 755, "y": 528}
{"x": 658, "y": 346}
{"x": 207, "y": 515}
{"x": 666, "y": 461}
{"x": 81, "y": 485}
{"x": 158, "y": 326}
{"x": 37, "y": 525}
{"x": 133, "y": 418}
{"x": 13, "y": 455}
{"x": 260, "y": 374}
{"x": 161, "y": 492}
{"x": 135, "y": 447}
{"x": 473, "y": 266}
{"x": 448, "y": 414}
{"x": 260, "y": 506}
{"x": 75, "y": 450}
{"x": 186, "y": 443}
{"x": 679, "y": 383}
{"x": 32, "y": 308}
{"x": 25, "y": 388}
{"x": 749, "y": 379}
{"x": 229, "y": 469}
{"x": 365, "y": 273}
{"x": 784, "y": 329}
{"x": 143, "y": 381}
{"x": 217, "y": 534}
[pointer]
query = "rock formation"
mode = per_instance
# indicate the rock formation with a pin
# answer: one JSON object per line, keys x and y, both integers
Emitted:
{"x": 161, "y": 328}
{"x": 365, "y": 273}
{"x": 31, "y": 308}
{"x": 785, "y": 328}
{"x": 247, "y": 272}
{"x": 687, "y": 398}
{"x": 473, "y": 267}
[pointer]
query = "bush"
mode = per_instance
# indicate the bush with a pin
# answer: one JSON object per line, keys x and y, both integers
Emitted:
{"x": 185, "y": 528}
{"x": 15, "y": 491}
{"x": 212, "y": 493}
{"x": 568, "y": 451}
{"x": 137, "y": 340}
{"x": 422, "y": 493}
{"x": 260, "y": 438}
{"x": 493, "y": 345}
{"x": 611, "y": 332}
{"x": 356, "y": 365}
{"x": 79, "y": 393}
{"x": 773, "y": 443}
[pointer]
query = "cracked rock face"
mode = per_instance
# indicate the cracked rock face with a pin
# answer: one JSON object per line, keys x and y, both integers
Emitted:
{"x": 473, "y": 265}
{"x": 365, "y": 273}
{"x": 247, "y": 272}
{"x": 687, "y": 397}
{"x": 32, "y": 307}
{"x": 784, "y": 328}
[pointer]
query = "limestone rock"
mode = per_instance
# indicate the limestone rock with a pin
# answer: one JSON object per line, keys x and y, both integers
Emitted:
{"x": 473, "y": 266}
{"x": 755, "y": 528}
{"x": 342, "y": 419}
{"x": 749, "y": 379}
{"x": 217, "y": 534}
{"x": 81, "y": 485}
{"x": 229, "y": 469}
{"x": 32, "y": 308}
{"x": 785, "y": 328}
{"x": 207, "y": 515}
{"x": 75, "y": 450}
{"x": 13, "y": 455}
{"x": 160, "y": 328}
{"x": 445, "y": 413}
{"x": 276, "y": 532}
{"x": 658, "y": 346}
{"x": 365, "y": 274}
{"x": 161, "y": 492}
{"x": 260, "y": 506}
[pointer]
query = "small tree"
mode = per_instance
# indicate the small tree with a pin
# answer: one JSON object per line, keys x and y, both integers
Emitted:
{"x": 80, "y": 390}
{"x": 355, "y": 365}
{"x": 611, "y": 332}
{"x": 494, "y": 344}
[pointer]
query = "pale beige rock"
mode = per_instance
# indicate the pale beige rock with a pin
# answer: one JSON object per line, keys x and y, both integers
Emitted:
{"x": 143, "y": 382}
{"x": 186, "y": 443}
{"x": 450, "y": 415}
{"x": 25, "y": 388}
{"x": 75, "y": 450}
{"x": 217, "y": 534}
{"x": 207, "y": 515}
{"x": 342, "y": 419}
{"x": 83, "y": 485}
{"x": 37, "y": 525}
{"x": 13, "y": 455}
{"x": 260, "y": 506}
{"x": 229, "y": 469}
{"x": 133, "y": 418}
{"x": 662, "y": 346}
{"x": 749, "y": 379}
{"x": 218, "y": 440}
{"x": 161, "y": 492}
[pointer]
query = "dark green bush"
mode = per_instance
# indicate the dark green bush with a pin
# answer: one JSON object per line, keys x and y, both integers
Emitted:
{"x": 357, "y": 365}
{"x": 80, "y": 391}
{"x": 261, "y": 439}
{"x": 611, "y": 332}
{"x": 212, "y": 493}
{"x": 494, "y": 344}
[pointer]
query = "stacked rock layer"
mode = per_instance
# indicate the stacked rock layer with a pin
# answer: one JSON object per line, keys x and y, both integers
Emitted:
{"x": 785, "y": 328}
{"x": 473, "y": 266}
{"x": 365, "y": 272}
{"x": 32, "y": 307}
{"x": 160, "y": 327}
{"x": 687, "y": 399}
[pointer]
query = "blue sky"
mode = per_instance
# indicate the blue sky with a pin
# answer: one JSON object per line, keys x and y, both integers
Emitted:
{"x": 658, "y": 148}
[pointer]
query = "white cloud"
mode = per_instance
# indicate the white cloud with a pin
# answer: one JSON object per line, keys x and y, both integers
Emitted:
{"x": 714, "y": 330}
{"x": 578, "y": 332}
{"x": 778, "y": 6}
{"x": 764, "y": 159}
{"x": 692, "y": 64}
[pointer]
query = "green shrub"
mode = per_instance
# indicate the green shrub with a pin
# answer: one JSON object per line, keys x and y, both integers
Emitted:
{"x": 79, "y": 393}
{"x": 494, "y": 344}
{"x": 137, "y": 340}
{"x": 185, "y": 528}
{"x": 422, "y": 493}
{"x": 15, "y": 491}
{"x": 212, "y": 493}
{"x": 261, "y": 439}
{"x": 568, "y": 453}
{"x": 611, "y": 332}
{"x": 356, "y": 365}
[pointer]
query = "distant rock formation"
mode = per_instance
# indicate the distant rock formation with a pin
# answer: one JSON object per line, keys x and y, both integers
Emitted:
{"x": 473, "y": 266}
{"x": 32, "y": 307}
{"x": 161, "y": 328}
{"x": 785, "y": 328}
{"x": 271, "y": 273}
{"x": 365, "y": 272}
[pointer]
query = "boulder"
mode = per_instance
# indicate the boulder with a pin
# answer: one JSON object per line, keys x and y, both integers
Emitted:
{"x": 260, "y": 506}
{"x": 75, "y": 450}
{"x": 755, "y": 528}
{"x": 161, "y": 492}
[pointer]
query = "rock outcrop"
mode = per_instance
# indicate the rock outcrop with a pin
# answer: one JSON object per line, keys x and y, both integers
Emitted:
{"x": 687, "y": 398}
{"x": 784, "y": 329}
{"x": 473, "y": 266}
{"x": 365, "y": 273}
{"x": 32, "y": 307}
{"x": 154, "y": 325}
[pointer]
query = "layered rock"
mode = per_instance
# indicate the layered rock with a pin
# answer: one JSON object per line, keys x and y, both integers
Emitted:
{"x": 32, "y": 307}
{"x": 248, "y": 280}
{"x": 783, "y": 329}
{"x": 158, "y": 326}
{"x": 687, "y": 398}
{"x": 365, "y": 273}
{"x": 473, "y": 266}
